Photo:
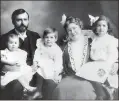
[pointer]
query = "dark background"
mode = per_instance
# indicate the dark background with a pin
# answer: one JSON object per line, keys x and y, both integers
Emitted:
{"x": 48, "y": 13}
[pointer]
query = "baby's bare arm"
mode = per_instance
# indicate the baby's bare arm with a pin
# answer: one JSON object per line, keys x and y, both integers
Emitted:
{"x": 11, "y": 68}
{"x": 6, "y": 61}
{"x": 9, "y": 65}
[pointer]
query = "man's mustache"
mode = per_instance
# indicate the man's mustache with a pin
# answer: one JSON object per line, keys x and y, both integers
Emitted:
{"x": 22, "y": 25}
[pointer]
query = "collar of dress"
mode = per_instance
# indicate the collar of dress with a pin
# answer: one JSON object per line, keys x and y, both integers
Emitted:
{"x": 83, "y": 56}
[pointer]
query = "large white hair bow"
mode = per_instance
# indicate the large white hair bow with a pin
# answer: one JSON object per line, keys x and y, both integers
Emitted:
{"x": 93, "y": 19}
{"x": 63, "y": 19}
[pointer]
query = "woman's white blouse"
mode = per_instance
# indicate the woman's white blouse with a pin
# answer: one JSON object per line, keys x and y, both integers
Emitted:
{"x": 104, "y": 48}
{"x": 76, "y": 50}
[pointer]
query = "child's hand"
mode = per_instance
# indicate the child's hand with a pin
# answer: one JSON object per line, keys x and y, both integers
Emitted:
{"x": 12, "y": 63}
{"x": 57, "y": 79}
{"x": 18, "y": 64}
{"x": 35, "y": 66}
{"x": 101, "y": 72}
{"x": 114, "y": 69}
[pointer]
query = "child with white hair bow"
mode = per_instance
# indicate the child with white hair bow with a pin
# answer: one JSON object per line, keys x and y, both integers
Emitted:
{"x": 104, "y": 54}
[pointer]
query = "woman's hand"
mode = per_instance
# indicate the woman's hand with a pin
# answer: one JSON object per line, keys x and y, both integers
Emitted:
{"x": 114, "y": 69}
{"x": 101, "y": 72}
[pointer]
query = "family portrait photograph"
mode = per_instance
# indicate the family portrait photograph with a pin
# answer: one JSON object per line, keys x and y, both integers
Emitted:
{"x": 59, "y": 50}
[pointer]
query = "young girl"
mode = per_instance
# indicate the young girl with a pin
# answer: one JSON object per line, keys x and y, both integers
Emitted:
{"x": 48, "y": 56}
{"x": 104, "y": 54}
{"x": 13, "y": 57}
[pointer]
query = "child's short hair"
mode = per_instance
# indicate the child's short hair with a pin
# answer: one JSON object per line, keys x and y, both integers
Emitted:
{"x": 12, "y": 36}
{"x": 102, "y": 17}
{"x": 75, "y": 20}
{"x": 50, "y": 30}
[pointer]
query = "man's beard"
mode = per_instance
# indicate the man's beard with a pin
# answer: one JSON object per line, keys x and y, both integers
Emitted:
{"x": 22, "y": 28}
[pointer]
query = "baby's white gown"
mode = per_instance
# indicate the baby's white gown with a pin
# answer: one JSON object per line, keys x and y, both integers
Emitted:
{"x": 25, "y": 70}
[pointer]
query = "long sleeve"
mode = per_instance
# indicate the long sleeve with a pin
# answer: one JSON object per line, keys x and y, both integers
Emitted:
{"x": 58, "y": 61}
{"x": 58, "y": 64}
{"x": 112, "y": 51}
{"x": 38, "y": 50}
{"x": 98, "y": 50}
{"x": 3, "y": 57}
{"x": 36, "y": 55}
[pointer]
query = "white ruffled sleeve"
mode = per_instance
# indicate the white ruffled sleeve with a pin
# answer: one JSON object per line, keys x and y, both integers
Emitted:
{"x": 113, "y": 51}
{"x": 93, "y": 52}
{"x": 37, "y": 51}
{"x": 38, "y": 42}
{"x": 3, "y": 55}
{"x": 36, "y": 55}
{"x": 58, "y": 62}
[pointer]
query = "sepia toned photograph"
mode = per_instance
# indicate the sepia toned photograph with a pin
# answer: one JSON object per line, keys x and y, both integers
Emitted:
{"x": 59, "y": 50}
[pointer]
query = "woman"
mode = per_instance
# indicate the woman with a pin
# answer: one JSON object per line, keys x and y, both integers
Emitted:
{"x": 76, "y": 53}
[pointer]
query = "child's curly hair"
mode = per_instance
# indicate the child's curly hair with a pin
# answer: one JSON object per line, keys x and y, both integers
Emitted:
{"x": 102, "y": 17}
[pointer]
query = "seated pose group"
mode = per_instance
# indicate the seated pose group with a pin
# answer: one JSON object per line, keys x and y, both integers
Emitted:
{"x": 34, "y": 67}
{"x": 87, "y": 68}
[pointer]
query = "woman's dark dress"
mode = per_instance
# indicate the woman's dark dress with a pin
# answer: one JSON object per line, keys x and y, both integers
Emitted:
{"x": 73, "y": 87}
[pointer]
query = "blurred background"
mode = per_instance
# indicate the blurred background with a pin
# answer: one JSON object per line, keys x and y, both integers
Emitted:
{"x": 48, "y": 13}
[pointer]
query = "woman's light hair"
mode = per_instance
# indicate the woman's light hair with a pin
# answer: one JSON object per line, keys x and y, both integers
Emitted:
{"x": 75, "y": 20}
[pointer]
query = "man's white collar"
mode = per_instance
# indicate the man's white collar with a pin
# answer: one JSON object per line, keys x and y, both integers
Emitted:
{"x": 21, "y": 35}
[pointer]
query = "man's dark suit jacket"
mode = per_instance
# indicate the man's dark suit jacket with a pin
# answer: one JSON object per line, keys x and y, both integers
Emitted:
{"x": 29, "y": 44}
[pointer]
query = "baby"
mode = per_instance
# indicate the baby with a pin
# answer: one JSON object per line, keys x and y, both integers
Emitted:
{"x": 13, "y": 57}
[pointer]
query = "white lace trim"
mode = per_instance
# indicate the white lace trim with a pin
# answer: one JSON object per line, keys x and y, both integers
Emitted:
{"x": 83, "y": 57}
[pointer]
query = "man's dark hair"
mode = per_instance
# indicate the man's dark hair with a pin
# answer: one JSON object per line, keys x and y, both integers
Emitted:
{"x": 17, "y": 12}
